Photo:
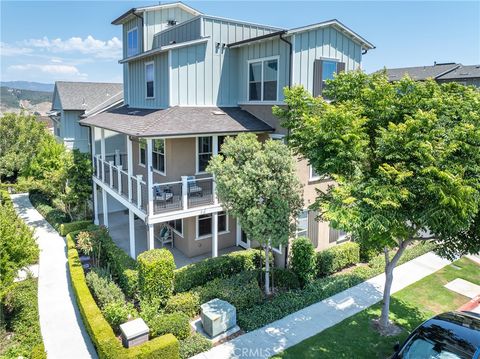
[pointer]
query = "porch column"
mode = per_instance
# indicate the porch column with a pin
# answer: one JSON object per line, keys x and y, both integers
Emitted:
{"x": 131, "y": 228}
{"x": 239, "y": 233}
{"x": 102, "y": 151}
{"x": 95, "y": 204}
{"x": 215, "y": 234}
{"x": 151, "y": 237}
{"x": 149, "y": 176}
{"x": 105, "y": 207}
{"x": 92, "y": 146}
{"x": 129, "y": 167}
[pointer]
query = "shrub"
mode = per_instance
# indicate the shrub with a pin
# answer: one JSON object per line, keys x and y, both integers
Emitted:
{"x": 84, "y": 243}
{"x": 104, "y": 290}
{"x": 194, "y": 345}
{"x": 66, "y": 228}
{"x": 155, "y": 274}
{"x": 336, "y": 258}
{"x": 44, "y": 206}
{"x": 224, "y": 266}
{"x": 118, "y": 312}
{"x": 174, "y": 323}
{"x": 105, "y": 341}
{"x": 187, "y": 303}
{"x": 281, "y": 278}
{"x": 130, "y": 282}
{"x": 302, "y": 260}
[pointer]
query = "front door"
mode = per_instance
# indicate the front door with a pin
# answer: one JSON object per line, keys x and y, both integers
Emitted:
{"x": 242, "y": 240}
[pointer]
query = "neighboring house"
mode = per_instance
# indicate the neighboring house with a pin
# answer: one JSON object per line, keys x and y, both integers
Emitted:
{"x": 75, "y": 100}
{"x": 191, "y": 79}
{"x": 440, "y": 72}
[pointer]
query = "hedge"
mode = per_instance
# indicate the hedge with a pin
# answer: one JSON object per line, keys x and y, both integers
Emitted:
{"x": 175, "y": 323}
{"x": 193, "y": 345}
{"x": 303, "y": 260}
{"x": 186, "y": 302}
{"x": 155, "y": 274}
{"x": 337, "y": 258}
{"x": 66, "y": 228}
{"x": 44, "y": 206}
{"x": 102, "y": 335}
{"x": 197, "y": 274}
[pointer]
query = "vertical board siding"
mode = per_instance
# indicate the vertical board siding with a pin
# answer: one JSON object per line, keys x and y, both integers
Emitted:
{"x": 129, "y": 25}
{"x": 187, "y": 31}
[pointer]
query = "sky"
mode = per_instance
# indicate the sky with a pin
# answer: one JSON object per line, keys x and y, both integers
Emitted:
{"x": 45, "y": 41}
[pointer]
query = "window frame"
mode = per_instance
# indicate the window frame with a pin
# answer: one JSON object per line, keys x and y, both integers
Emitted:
{"x": 164, "y": 156}
{"x": 262, "y": 60}
{"x": 311, "y": 177}
{"x": 205, "y": 236}
{"x": 324, "y": 60}
{"x": 198, "y": 153}
{"x": 174, "y": 229}
{"x": 146, "y": 81}
{"x": 137, "y": 50}
{"x": 140, "y": 142}
{"x": 298, "y": 221}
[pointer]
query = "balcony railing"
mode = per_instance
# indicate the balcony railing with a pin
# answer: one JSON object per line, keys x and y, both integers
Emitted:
{"x": 188, "y": 193}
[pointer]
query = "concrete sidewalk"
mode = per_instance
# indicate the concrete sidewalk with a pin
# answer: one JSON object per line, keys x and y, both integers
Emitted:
{"x": 63, "y": 332}
{"x": 296, "y": 327}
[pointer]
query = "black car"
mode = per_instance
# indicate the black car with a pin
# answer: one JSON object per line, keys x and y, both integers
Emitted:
{"x": 451, "y": 335}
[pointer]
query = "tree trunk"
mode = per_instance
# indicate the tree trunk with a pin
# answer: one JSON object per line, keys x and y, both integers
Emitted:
{"x": 267, "y": 270}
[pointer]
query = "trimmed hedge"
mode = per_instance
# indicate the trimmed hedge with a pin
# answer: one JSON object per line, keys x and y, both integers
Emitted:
{"x": 336, "y": 258}
{"x": 193, "y": 345}
{"x": 44, "y": 206}
{"x": 174, "y": 323}
{"x": 102, "y": 335}
{"x": 303, "y": 260}
{"x": 66, "y": 228}
{"x": 197, "y": 274}
{"x": 155, "y": 274}
{"x": 186, "y": 302}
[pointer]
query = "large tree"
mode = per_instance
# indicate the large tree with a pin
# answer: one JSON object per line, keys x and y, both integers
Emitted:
{"x": 256, "y": 183}
{"x": 405, "y": 158}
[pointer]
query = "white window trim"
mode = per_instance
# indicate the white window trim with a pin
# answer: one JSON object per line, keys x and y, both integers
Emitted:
{"x": 296, "y": 230}
{"x": 174, "y": 230}
{"x": 277, "y": 250}
{"x": 214, "y": 151}
{"x": 164, "y": 173}
{"x": 311, "y": 177}
{"x": 137, "y": 50}
{"x": 153, "y": 65}
{"x": 199, "y": 238}
{"x": 262, "y": 60}
{"x": 140, "y": 154}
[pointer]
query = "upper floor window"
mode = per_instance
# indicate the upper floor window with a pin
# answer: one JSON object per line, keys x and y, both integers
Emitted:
{"x": 150, "y": 79}
{"x": 205, "y": 151}
{"x": 132, "y": 42}
{"x": 263, "y": 80}
{"x": 323, "y": 70}
{"x": 158, "y": 154}
{"x": 142, "y": 149}
{"x": 302, "y": 224}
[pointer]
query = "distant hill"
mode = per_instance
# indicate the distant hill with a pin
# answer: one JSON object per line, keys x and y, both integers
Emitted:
{"x": 13, "y": 100}
{"x": 27, "y": 85}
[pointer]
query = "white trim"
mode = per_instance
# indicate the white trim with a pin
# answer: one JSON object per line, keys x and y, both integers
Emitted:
{"x": 297, "y": 221}
{"x": 174, "y": 230}
{"x": 292, "y": 65}
{"x": 137, "y": 50}
{"x": 140, "y": 152}
{"x": 227, "y": 230}
{"x": 146, "y": 86}
{"x": 197, "y": 154}
{"x": 164, "y": 173}
{"x": 264, "y": 103}
{"x": 170, "y": 82}
{"x": 277, "y": 250}
{"x": 311, "y": 177}
{"x": 179, "y": 4}
{"x": 262, "y": 60}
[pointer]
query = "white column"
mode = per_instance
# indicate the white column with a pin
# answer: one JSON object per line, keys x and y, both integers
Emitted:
{"x": 119, "y": 178}
{"x": 95, "y": 204}
{"x": 129, "y": 167}
{"x": 105, "y": 208}
{"x": 92, "y": 150}
{"x": 151, "y": 237}
{"x": 102, "y": 151}
{"x": 149, "y": 176}
{"x": 215, "y": 234}
{"x": 239, "y": 233}
{"x": 139, "y": 191}
{"x": 131, "y": 228}
{"x": 117, "y": 157}
{"x": 184, "y": 192}
{"x": 214, "y": 190}
{"x": 110, "y": 173}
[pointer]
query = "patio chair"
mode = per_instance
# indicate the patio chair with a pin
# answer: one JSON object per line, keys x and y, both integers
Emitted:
{"x": 163, "y": 194}
{"x": 165, "y": 235}
{"x": 193, "y": 187}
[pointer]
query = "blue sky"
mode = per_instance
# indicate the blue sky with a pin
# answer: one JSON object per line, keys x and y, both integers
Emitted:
{"x": 66, "y": 40}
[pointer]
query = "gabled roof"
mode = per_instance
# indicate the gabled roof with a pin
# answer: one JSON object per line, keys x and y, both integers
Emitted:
{"x": 87, "y": 96}
{"x": 177, "y": 121}
{"x": 422, "y": 72}
{"x": 139, "y": 10}
{"x": 463, "y": 72}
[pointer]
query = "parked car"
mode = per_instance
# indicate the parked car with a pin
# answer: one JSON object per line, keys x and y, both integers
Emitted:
{"x": 451, "y": 335}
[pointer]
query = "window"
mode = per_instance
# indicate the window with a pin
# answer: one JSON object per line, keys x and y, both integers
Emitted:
{"x": 150, "y": 79}
{"x": 314, "y": 176}
{"x": 336, "y": 235}
{"x": 278, "y": 137}
{"x": 323, "y": 70}
{"x": 205, "y": 152}
{"x": 302, "y": 224}
{"x": 177, "y": 226}
{"x": 132, "y": 42}
{"x": 142, "y": 149}
{"x": 329, "y": 68}
{"x": 220, "y": 141}
{"x": 204, "y": 224}
{"x": 158, "y": 155}
{"x": 263, "y": 80}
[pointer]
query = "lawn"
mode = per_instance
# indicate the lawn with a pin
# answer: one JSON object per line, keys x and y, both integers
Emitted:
{"x": 355, "y": 337}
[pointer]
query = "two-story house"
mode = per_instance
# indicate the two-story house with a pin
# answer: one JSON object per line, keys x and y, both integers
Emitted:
{"x": 190, "y": 79}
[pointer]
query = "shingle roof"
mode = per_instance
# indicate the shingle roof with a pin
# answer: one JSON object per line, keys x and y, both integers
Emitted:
{"x": 421, "y": 72}
{"x": 463, "y": 72}
{"x": 88, "y": 96}
{"x": 177, "y": 121}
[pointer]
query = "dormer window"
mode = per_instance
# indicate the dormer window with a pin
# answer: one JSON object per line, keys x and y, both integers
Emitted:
{"x": 263, "y": 80}
{"x": 132, "y": 42}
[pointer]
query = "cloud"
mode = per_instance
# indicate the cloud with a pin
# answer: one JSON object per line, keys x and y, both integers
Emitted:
{"x": 109, "y": 49}
{"x": 10, "y": 50}
{"x": 61, "y": 70}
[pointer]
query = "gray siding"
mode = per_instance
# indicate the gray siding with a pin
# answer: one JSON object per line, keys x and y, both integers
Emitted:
{"x": 326, "y": 43}
{"x": 189, "y": 30}
{"x": 129, "y": 25}
{"x": 74, "y": 135}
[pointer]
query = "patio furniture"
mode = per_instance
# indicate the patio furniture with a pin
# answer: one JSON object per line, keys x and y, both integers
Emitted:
{"x": 163, "y": 194}
{"x": 165, "y": 235}
{"x": 193, "y": 187}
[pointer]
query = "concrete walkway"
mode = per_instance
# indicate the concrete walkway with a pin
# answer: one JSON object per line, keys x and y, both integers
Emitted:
{"x": 296, "y": 327}
{"x": 64, "y": 335}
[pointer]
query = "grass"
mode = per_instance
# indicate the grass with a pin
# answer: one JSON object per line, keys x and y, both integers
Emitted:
{"x": 355, "y": 337}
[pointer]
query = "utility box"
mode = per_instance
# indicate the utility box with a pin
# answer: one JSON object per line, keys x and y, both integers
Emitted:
{"x": 218, "y": 316}
{"x": 134, "y": 332}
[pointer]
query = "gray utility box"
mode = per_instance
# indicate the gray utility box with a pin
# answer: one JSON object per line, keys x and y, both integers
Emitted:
{"x": 218, "y": 316}
{"x": 134, "y": 332}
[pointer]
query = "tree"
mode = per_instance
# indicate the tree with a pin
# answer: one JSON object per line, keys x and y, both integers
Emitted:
{"x": 79, "y": 185}
{"x": 256, "y": 183}
{"x": 405, "y": 158}
{"x": 21, "y": 134}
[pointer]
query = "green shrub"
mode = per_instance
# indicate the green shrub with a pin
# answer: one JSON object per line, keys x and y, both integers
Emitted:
{"x": 118, "y": 312}
{"x": 174, "y": 323}
{"x": 194, "y": 345}
{"x": 66, "y": 228}
{"x": 102, "y": 335}
{"x": 241, "y": 290}
{"x": 104, "y": 290}
{"x": 155, "y": 274}
{"x": 281, "y": 278}
{"x": 187, "y": 303}
{"x": 303, "y": 260}
{"x": 224, "y": 266}
{"x": 336, "y": 258}
{"x": 44, "y": 206}
{"x": 130, "y": 283}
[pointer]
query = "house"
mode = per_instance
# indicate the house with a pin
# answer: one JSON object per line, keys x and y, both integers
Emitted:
{"x": 74, "y": 100}
{"x": 190, "y": 79}
{"x": 440, "y": 72}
